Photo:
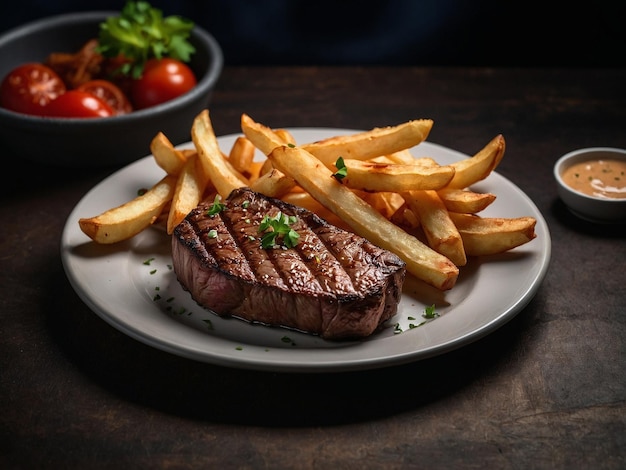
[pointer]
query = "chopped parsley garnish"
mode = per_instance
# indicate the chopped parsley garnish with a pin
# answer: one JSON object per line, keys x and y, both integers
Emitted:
{"x": 217, "y": 206}
{"x": 429, "y": 312}
{"x": 342, "y": 169}
{"x": 278, "y": 228}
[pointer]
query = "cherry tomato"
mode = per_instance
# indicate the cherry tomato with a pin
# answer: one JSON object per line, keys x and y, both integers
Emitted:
{"x": 29, "y": 88}
{"x": 162, "y": 80}
{"x": 78, "y": 104}
{"x": 109, "y": 93}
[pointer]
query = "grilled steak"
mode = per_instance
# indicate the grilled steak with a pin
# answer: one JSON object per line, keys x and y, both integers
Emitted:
{"x": 333, "y": 283}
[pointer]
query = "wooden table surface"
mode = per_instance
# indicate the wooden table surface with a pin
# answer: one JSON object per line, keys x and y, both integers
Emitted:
{"x": 546, "y": 390}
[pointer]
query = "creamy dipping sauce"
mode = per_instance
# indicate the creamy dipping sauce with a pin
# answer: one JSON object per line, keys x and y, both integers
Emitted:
{"x": 599, "y": 178}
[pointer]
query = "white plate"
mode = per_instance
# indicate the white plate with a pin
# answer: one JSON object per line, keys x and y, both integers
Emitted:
{"x": 132, "y": 286}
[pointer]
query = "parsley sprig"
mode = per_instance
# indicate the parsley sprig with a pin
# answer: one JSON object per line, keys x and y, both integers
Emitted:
{"x": 342, "y": 169}
{"x": 278, "y": 228}
{"x": 430, "y": 312}
{"x": 141, "y": 33}
{"x": 217, "y": 206}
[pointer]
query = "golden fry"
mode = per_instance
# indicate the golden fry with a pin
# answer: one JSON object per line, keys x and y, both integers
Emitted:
{"x": 440, "y": 231}
{"x": 370, "y": 144}
{"x": 166, "y": 155}
{"x": 125, "y": 221}
{"x": 493, "y": 235}
{"x": 465, "y": 201}
{"x": 254, "y": 171}
{"x": 374, "y": 176}
{"x": 217, "y": 168}
{"x": 403, "y": 156}
{"x": 473, "y": 169}
{"x": 387, "y": 203}
{"x": 304, "y": 199}
{"x": 286, "y": 136}
{"x": 405, "y": 217}
{"x": 274, "y": 183}
{"x": 263, "y": 137}
{"x": 242, "y": 154}
{"x": 188, "y": 193}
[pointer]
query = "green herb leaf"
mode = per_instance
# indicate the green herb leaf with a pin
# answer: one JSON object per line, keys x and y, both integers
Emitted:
{"x": 342, "y": 170}
{"x": 141, "y": 33}
{"x": 278, "y": 228}
{"x": 217, "y": 206}
{"x": 429, "y": 312}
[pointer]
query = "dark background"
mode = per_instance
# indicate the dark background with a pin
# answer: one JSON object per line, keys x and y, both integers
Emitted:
{"x": 395, "y": 32}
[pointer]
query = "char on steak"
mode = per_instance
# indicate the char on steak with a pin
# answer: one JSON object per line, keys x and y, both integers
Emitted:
{"x": 333, "y": 283}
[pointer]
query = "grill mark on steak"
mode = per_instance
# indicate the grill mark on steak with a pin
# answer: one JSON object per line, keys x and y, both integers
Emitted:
{"x": 332, "y": 283}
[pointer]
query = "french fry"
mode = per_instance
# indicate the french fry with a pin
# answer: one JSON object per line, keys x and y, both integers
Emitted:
{"x": 440, "y": 231}
{"x": 465, "y": 201}
{"x": 266, "y": 167}
{"x": 405, "y": 217}
{"x": 242, "y": 154}
{"x": 271, "y": 181}
{"x": 387, "y": 203}
{"x": 274, "y": 183}
{"x": 166, "y": 155}
{"x": 160, "y": 222}
{"x": 286, "y": 136}
{"x": 263, "y": 137}
{"x": 492, "y": 235}
{"x": 217, "y": 168}
{"x": 188, "y": 152}
{"x": 188, "y": 193}
{"x": 476, "y": 168}
{"x": 254, "y": 171}
{"x": 304, "y": 199}
{"x": 310, "y": 173}
{"x": 123, "y": 222}
{"x": 403, "y": 156}
{"x": 370, "y": 144}
{"x": 374, "y": 176}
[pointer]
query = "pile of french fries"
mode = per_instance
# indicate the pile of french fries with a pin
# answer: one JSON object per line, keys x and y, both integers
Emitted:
{"x": 424, "y": 212}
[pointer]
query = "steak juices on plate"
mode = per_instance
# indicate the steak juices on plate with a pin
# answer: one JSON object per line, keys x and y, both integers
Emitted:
{"x": 332, "y": 283}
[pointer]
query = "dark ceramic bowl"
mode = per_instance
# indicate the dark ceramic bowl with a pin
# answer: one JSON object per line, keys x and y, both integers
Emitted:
{"x": 98, "y": 142}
